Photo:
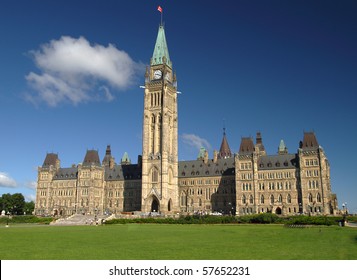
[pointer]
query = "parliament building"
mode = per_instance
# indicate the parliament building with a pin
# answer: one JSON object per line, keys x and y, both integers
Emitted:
{"x": 246, "y": 182}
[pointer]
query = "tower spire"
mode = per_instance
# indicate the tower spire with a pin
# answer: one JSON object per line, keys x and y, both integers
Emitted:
{"x": 224, "y": 151}
{"x": 161, "y": 50}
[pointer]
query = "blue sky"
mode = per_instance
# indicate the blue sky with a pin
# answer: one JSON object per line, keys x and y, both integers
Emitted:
{"x": 70, "y": 73}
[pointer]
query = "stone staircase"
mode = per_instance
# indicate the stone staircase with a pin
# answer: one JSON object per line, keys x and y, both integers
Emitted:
{"x": 80, "y": 220}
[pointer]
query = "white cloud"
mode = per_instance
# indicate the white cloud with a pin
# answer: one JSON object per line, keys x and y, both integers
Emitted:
{"x": 6, "y": 181}
{"x": 30, "y": 197}
{"x": 195, "y": 141}
{"x": 31, "y": 185}
{"x": 75, "y": 71}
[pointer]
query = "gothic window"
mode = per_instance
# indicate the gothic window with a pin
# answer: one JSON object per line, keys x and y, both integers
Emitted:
{"x": 251, "y": 199}
{"x": 154, "y": 175}
{"x": 170, "y": 176}
{"x": 310, "y": 197}
{"x": 262, "y": 199}
{"x": 288, "y": 199}
{"x": 183, "y": 199}
{"x": 272, "y": 199}
{"x": 318, "y": 198}
{"x": 244, "y": 200}
{"x": 280, "y": 198}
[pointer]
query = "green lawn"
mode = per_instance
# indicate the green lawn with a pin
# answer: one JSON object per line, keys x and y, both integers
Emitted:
{"x": 166, "y": 242}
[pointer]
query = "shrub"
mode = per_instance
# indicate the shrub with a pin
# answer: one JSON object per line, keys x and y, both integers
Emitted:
{"x": 26, "y": 219}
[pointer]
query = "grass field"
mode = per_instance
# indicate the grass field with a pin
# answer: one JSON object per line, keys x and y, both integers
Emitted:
{"x": 177, "y": 242}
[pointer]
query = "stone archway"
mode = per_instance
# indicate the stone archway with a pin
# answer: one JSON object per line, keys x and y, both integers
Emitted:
{"x": 155, "y": 205}
{"x": 278, "y": 211}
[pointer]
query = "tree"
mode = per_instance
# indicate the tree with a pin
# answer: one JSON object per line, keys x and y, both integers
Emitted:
{"x": 13, "y": 203}
{"x": 6, "y": 202}
{"x": 29, "y": 207}
{"x": 18, "y": 204}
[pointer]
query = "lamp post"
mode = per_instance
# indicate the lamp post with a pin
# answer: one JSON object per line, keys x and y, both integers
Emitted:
{"x": 8, "y": 218}
{"x": 95, "y": 216}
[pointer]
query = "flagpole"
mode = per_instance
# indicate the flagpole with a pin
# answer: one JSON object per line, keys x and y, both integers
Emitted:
{"x": 161, "y": 12}
{"x": 161, "y": 17}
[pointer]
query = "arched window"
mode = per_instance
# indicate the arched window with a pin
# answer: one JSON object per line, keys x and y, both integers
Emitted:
{"x": 272, "y": 199}
{"x": 170, "y": 176}
{"x": 251, "y": 199}
{"x": 310, "y": 197}
{"x": 154, "y": 175}
{"x": 244, "y": 200}
{"x": 280, "y": 198}
{"x": 262, "y": 199}
{"x": 183, "y": 199}
{"x": 318, "y": 197}
{"x": 288, "y": 198}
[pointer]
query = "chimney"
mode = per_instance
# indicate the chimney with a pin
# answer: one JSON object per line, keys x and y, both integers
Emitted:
{"x": 215, "y": 156}
{"x": 205, "y": 158}
{"x": 111, "y": 163}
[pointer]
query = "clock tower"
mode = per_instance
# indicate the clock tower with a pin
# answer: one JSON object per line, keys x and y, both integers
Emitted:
{"x": 160, "y": 128}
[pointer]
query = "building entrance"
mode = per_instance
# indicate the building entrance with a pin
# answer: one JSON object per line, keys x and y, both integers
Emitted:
{"x": 155, "y": 205}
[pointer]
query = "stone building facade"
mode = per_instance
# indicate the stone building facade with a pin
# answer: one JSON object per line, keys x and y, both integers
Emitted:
{"x": 249, "y": 181}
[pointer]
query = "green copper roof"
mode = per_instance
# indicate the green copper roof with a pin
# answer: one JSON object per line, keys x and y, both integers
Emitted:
{"x": 201, "y": 154}
{"x": 282, "y": 146}
{"x": 161, "y": 49}
{"x": 125, "y": 158}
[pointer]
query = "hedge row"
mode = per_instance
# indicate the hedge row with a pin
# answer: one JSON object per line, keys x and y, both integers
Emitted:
{"x": 26, "y": 219}
{"x": 264, "y": 218}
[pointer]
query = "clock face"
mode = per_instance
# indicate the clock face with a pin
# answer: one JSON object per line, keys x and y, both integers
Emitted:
{"x": 157, "y": 74}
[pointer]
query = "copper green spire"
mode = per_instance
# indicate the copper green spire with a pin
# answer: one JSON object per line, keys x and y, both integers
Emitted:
{"x": 161, "y": 49}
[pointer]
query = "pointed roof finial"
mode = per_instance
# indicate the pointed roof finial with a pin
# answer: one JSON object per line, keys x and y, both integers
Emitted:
{"x": 224, "y": 127}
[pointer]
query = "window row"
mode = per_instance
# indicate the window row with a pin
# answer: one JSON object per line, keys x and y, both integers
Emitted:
{"x": 246, "y": 166}
{"x": 313, "y": 199}
{"x": 312, "y": 173}
{"x": 271, "y": 199}
{"x": 313, "y": 184}
{"x": 275, "y": 175}
{"x": 311, "y": 162}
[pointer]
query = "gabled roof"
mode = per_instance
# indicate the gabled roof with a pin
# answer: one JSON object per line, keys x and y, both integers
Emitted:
{"x": 91, "y": 158}
{"x": 161, "y": 50}
{"x": 50, "y": 159}
{"x": 309, "y": 142}
{"x": 246, "y": 146}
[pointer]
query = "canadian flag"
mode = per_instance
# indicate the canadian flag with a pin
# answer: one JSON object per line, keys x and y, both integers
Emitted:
{"x": 159, "y": 9}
